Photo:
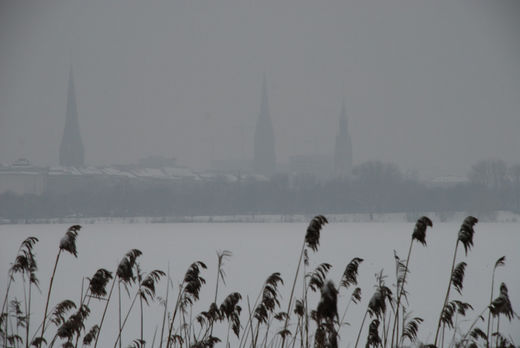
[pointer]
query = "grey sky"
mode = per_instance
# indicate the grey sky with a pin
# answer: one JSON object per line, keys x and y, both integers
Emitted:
{"x": 431, "y": 85}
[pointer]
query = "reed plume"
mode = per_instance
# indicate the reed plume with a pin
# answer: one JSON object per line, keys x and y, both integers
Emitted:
{"x": 373, "y": 339}
{"x": 268, "y": 304}
{"x": 349, "y": 278}
{"x": 25, "y": 264}
{"x": 68, "y": 241}
{"x": 208, "y": 342}
{"x": 68, "y": 244}
{"x": 464, "y": 236}
{"x": 457, "y": 277}
{"x": 502, "y": 304}
{"x": 351, "y": 273}
{"x": 356, "y": 295}
{"x": 193, "y": 283}
{"x": 91, "y": 335}
{"x": 148, "y": 283}
{"x": 450, "y": 309}
{"x": 137, "y": 343}
{"x": 312, "y": 237}
{"x": 500, "y": 262}
{"x": 318, "y": 276}
{"x": 125, "y": 269}
{"x": 188, "y": 293}
{"x": 476, "y": 333}
{"x": 230, "y": 309}
{"x": 221, "y": 257}
{"x": 270, "y": 298}
{"x": 99, "y": 281}
{"x": 125, "y": 274}
{"x": 377, "y": 304}
{"x": 14, "y": 310}
{"x": 146, "y": 291}
{"x": 328, "y": 305}
{"x": 418, "y": 234}
{"x": 312, "y": 241}
{"x": 410, "y": 330}
{"x": 74, "y": 324}
{"x": 467, "y": 232}
{"x": 59, "y": 312}
{"x": 325, "y": 314}
{"x": 503, "y": 342}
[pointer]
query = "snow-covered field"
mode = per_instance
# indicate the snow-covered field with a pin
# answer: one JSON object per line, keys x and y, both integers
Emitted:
{"x": 261, "y": 249}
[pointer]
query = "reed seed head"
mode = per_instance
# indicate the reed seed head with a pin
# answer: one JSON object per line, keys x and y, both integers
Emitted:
{"x": 317, "y": 277}
{"x": 312, "y": 237}
{"x": 328, "y": 305}
{"x": 466, "y": 232}
{"x": 502, "y": 304}
{"x": 99, "y": 282}
{"x": 457, "y": 277}
{"x": 91, "y": 335}
{"x": 419, "y": 232}
{"x": 373, "y": 339}
{"x": 351, "y": 272}
{"x": 68, "y": 242}
{"x": 125, "y": 269}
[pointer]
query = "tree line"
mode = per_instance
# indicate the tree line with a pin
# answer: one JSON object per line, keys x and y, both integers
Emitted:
{"x": 374, "y": 187}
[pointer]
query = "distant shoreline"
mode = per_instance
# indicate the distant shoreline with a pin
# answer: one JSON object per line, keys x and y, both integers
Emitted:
{"x": 496, "y": 216}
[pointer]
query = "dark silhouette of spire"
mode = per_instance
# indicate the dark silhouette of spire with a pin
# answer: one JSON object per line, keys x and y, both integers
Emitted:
{"x": 265, "y": 157}
{"x": 343, "y": 147}
{"x": 72, "y": 153}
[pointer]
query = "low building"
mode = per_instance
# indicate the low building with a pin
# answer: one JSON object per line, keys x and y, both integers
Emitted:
{"x": 22, "y": 178}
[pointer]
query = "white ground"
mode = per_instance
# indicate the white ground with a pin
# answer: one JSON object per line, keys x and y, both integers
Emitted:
{"x": 261, "y": 249}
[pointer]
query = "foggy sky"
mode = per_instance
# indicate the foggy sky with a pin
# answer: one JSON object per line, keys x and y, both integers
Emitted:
{"x": 433, "y": 86}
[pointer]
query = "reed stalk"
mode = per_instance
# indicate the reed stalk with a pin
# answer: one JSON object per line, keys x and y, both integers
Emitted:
{"x": 361, "y": 328}
{"x": 447, "y": 292}
{"x": 165, "y": 307}
{"x": 105, "y": 312}
{"x": 49, "y": 293}
{"x": 399, "y": 294}
{"x": 292, "y": 293}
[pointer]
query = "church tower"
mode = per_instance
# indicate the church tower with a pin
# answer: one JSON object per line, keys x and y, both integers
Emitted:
{"x": 72, "y": 153}
{"x": 343, "y": 148}
{"x": 264, "y": 158}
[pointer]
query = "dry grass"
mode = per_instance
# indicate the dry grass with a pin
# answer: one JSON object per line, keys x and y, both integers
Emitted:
{"x": 266, "y": 326}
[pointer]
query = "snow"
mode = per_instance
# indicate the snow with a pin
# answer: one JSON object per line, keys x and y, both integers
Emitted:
{"x": 261, "y": 249}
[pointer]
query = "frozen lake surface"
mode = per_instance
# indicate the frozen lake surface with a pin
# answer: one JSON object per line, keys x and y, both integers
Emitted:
{"x": 261, "y": 249}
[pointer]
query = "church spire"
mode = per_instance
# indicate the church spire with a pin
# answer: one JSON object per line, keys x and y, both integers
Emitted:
{"x": 264, "y": 156}
{"x": 71, "y": 149}
{"x": 343, "y": 147}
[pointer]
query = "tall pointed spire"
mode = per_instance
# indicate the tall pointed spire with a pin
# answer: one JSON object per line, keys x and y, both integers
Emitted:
{"x": 72, "y": 153}
{"x": 343, "y": 147}
{"x": 264, "y": 157}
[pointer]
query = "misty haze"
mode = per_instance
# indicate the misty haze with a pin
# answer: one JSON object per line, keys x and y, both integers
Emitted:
{"x": 138, "y": 138}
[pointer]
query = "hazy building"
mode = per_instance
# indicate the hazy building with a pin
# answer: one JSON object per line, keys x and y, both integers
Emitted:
{"x": 72, "y": 153}
{"x": 264, "y": 161}
{"x": 319, "y": 166}
{"x": 343, "y": 147}
{"x": 22, "y": 178}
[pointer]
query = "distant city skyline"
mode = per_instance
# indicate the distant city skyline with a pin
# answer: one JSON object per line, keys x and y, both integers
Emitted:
{"x": 431, "y": 86}
{"x": 262, "y": 161}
